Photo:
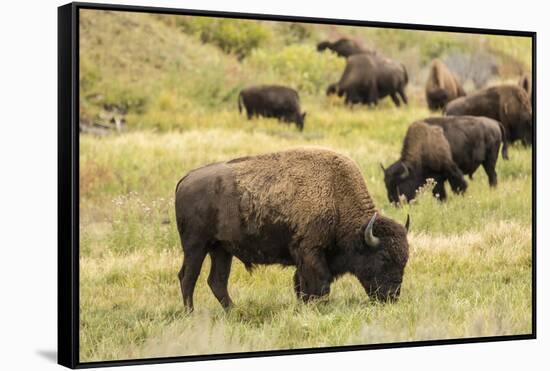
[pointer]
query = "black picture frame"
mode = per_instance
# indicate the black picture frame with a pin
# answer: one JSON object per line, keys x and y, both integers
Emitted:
{"x": 68, "y": 183}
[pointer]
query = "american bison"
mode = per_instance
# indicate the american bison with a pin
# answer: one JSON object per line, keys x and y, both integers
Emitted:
{"x": 308, "y": 208}
{"x": 344, "y": 47}
{"x": 526, "y": 83}
{"x": 442, "y": 86}
{"x": 368, "y": 78}
{"x": 272, "y": 101}
{"x": 508, "y": 104}
{"x": 472, "y": 141}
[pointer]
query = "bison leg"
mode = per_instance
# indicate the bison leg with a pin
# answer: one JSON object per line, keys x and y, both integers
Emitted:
{"x": 403, "y": 96}
{"x": 313, "y": 275}
{"x": 298, "y": 285}
{"x": 219, "y": 275}
{"x": 456, "y": 180}
{"x": 193, "y": 258}
{"x": 439, "y": 189}
{"x": 395, "y": 99}
{"x": 489, "y": 166}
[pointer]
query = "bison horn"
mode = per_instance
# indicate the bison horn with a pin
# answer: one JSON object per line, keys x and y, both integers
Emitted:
{"x": 370, "y": 239}
{"x": 405, "y": 171}
{"x": 383, "y": 168}
{"x": 408, "y": 222}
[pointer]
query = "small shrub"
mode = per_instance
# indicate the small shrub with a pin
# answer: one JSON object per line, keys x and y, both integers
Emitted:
{"x": 238, "y": 37}
{"x": 299, "y": 66}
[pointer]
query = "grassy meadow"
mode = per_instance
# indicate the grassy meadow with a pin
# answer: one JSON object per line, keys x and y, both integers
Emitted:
{"x": 176, "y": 79}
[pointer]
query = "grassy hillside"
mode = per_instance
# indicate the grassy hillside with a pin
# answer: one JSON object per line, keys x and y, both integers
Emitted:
{"x": 165, "y": 70}
{"x": 469, "y": 272}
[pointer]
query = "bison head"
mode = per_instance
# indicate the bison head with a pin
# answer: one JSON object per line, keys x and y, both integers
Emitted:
{"x": 332, "y": 89}
{"x": 437, "y": 99}
{"x": 519, "y": 111}
{"x": 322, "y": 46}
{"x": 382, "y": 259}
{"x": 401, "y": 179}
{"x": 300, "y": 120}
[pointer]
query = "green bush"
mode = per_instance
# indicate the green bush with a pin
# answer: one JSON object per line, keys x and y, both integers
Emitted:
{"x": 299, "y": 66}
{"x": 238, "y": 37}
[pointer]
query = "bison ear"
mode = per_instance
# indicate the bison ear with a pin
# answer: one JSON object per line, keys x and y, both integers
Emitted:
{"x": 304, "y": 115}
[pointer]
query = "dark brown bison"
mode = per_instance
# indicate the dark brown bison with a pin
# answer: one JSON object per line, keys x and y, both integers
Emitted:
{"x": 472, "y": 141}
{"x": 308, "y": 208}
{"x": 508, "y": 104}
{"x": 442, "y": 86}
{"x": 525, "y": 82}
{"x": 368, "y": 78}
{"x": 272, "y": 101}
{"x": 344, "y": 47}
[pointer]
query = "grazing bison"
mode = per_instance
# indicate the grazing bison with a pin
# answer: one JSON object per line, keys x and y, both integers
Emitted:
{"x": 308, "y": 208}
{"x": 508, "y": 104}
{"x": 442, "y": 86}
{"x": 426, "y": 153}
{"x": 472, "y": 140}
{"x": 344, "y": 47}
{"x": 368, "y": 78}
{"x": 526, "y": 83}
{"x": 272, "y": 101}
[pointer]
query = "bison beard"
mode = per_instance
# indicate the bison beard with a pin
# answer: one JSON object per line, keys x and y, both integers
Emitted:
{"x": 308, "y": 208}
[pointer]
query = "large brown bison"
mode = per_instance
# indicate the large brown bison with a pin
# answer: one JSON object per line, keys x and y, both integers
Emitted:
{"x": 508, "y": 104}
{"x": 344, "y": 47}
{"x": 526, "y": 83}
{"x": 272, "y": 101}
{"x": 442, "y": 86}
{"x": 445, "y": 148}
{"x": 308, "y": 208}
{"x": 369, "y": 78}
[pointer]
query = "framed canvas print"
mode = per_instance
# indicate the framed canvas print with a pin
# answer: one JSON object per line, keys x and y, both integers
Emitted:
{"x": 242, "y": 185}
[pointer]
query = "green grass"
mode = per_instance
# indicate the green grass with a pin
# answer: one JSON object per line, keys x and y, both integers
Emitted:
{"x": 469, "y": 272}
{"x": 468, "y": 275}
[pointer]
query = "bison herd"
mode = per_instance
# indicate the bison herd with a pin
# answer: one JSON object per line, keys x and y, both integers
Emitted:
{"x": 310, "y": 208}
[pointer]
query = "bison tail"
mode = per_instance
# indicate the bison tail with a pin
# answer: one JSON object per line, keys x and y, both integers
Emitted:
{"x": 405, "y": 73}
{"x": 239, "y": 99}
{"x": 504, "y": 133}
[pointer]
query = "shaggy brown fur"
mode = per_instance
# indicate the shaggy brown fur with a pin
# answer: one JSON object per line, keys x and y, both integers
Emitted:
{"x": 426, "y": 145}
{"x": 508, "y": 104}
{"x": 307, "y": 208}
{"x": 304, "y": 206}
{"x": 442, "y": 86}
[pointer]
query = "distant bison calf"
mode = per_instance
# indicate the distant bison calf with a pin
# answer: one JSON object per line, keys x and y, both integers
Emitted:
{"x": 308, "y": 208}
{"x": 445, "y": 148}
{"x": 508, "y": 104}
{"x": 272, "y": 101}
{"x": 442, "y": 86}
